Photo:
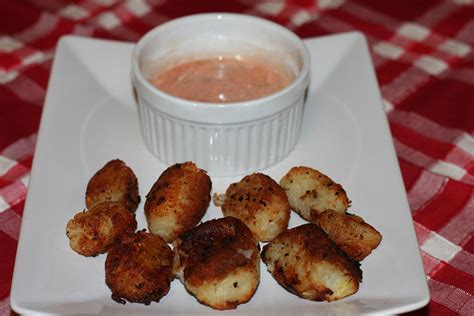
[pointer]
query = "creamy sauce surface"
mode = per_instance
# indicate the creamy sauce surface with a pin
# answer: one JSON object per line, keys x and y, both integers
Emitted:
{"x": 222, "y": 80}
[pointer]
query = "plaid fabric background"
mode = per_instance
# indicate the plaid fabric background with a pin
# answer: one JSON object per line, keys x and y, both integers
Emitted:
{"x": 423, "y": 53}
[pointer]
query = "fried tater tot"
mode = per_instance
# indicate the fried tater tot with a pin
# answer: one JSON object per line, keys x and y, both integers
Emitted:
{"x": 311, "y": 192}
{"x": 307, "y": 263}
{"x": 178, "y": 200}
{"x": 260, "y": 203}
{"x": 115, "y": 182}
{"x": 92, "y": 232}
{"x": 350, "y": 232}
{"x": 138, "y": 268}
{"x": 218, "y": 262}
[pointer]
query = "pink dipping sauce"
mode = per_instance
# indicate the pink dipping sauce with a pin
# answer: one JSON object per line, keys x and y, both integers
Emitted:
{"x": 222, "y": 80}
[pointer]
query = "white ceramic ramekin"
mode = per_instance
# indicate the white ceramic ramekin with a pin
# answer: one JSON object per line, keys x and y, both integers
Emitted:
{"x": 224, "y": 139}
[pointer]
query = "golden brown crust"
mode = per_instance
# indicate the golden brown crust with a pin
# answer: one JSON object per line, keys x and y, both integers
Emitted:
{"x": 307, "y": 263}
{"x": 93, "y": 232}
{"x": 178, "y": 200}
{"x": 220, "y": 238}
{"x": 311, "y": 192}
{"x": 260, "y": 203}
{"x": 350, "y": 232}
{"x": 114, "y": 182}
{"x": 216, "y": 253}
{"x": 138, "y": 268}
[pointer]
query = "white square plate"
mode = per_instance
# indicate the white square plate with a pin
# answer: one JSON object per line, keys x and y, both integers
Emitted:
{"x": 90, "y": 117}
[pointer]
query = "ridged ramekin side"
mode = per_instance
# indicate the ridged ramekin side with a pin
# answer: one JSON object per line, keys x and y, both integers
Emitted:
{"x": 225, "y": 149}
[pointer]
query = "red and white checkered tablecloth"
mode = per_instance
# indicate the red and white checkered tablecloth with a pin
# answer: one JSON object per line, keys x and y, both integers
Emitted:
{"x": 423, "y": 53}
